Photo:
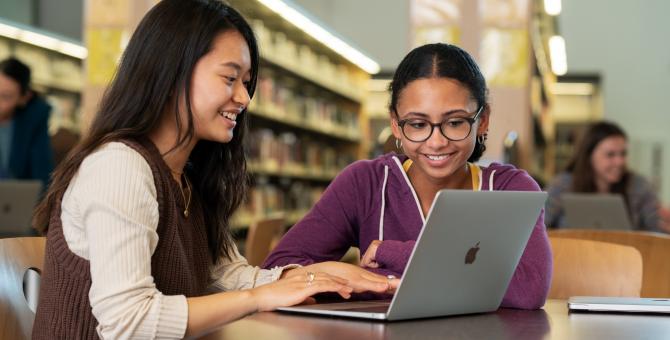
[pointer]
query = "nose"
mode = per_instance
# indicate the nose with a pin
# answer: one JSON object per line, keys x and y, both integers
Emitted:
{"x": 241, "y": 95}
{"x": 620, "y": 160}
{"x": 436, "y": 139}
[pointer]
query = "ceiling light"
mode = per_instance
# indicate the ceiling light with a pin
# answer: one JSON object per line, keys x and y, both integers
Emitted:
{"x": 321, "y": 34}
{"x": 559, "y": 59}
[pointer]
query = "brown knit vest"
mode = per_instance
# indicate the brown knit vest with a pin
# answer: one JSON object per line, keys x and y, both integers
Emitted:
{"x": 180, "y": 265}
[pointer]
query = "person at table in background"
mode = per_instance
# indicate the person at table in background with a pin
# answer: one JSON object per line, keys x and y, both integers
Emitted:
{"x": 25, "y": 149}
{"x": 599, "y": 166}
{"x": 439, "y": 115}
{"x": 137, "y": 218}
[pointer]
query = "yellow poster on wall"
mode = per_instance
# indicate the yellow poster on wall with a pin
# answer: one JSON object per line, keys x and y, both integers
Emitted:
{"x": 104, "y": 52}
{"x": 435, "y": 21}
{"x": 505, "y": 57}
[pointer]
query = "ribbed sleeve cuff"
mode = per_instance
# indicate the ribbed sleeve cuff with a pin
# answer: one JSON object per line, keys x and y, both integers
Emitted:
{"x": 272, "y": 275}
{"x": 171, "y": 318}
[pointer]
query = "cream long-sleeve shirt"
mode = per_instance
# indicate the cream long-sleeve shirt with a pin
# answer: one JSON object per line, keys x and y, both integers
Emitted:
{"x": 110, "y": 216}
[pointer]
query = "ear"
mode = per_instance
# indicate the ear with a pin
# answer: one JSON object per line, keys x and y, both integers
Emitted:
{"x": 484, "y": 120}
{"x": 395, "y": 129}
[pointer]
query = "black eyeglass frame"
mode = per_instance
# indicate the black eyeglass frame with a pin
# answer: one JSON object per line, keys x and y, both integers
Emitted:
{"x": 470, "y": 120}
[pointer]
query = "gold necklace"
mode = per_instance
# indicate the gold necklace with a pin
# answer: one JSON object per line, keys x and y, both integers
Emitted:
{"x": 190, "y": 193}
{"x": 187, "y": 202}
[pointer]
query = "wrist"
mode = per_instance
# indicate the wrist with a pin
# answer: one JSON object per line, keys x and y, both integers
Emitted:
{"x": 253, "y": 298}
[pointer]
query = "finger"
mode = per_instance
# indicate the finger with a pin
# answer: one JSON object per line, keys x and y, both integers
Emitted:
{"x": 372, "y": 264}
{"x": 323, "y": 286}
{"x": 394, "y": 283}
{"x": 334, "y": 278}
{"x": 374, "y": 277}
{"x": 363, "y": 285}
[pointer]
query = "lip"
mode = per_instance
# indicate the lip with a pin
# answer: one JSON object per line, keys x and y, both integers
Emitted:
{"x": 439, "y": 163}
{"x": 230, "y": 124}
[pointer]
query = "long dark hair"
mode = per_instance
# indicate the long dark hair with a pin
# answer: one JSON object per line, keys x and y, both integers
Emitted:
{"x": 157, "y": 65}
{"x": 441, "y": 61}
{"x": 583, "y": 175}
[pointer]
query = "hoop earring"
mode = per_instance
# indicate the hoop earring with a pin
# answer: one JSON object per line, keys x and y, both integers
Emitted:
{"x": 481, "y": 139}
{"x": 398, "y": 144}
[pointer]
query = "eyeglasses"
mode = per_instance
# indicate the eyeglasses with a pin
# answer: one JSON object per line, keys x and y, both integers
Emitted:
{"x": 454, "y": 129}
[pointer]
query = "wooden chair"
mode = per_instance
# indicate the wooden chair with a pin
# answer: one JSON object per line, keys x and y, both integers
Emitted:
{"x": 583, "y": 267}
{"x": 17, "y": 255}
{"x": 654, "y": 248}
{"x": 261, "y": 237}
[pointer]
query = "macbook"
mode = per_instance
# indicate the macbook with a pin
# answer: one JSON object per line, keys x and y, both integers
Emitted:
{"x": 595, "y": 211}
{"x": 619, "y": 304}
{"x": 17, "y": 200}
{"x": 462, "y": 262}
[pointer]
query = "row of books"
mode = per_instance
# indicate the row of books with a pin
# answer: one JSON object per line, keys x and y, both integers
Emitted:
{"x": 277, "y": 152}
{"x": 288, "y": 100}
{"x": 293, "y": 200}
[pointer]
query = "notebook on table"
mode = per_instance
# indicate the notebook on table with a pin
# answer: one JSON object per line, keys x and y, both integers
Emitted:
{"x": 463, "y": 260}
{"x": 595, "y": 211}
{"x": 619, "y": 304}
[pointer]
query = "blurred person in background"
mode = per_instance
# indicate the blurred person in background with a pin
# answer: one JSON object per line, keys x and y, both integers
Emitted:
{"x": 25, "y": 149}
{"x": 599, "y": 166}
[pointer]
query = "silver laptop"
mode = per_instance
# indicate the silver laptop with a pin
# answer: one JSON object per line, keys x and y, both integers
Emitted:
{"x": 17, "y": 200}
{"x": 462, "y": 262}
{"x": 595, "y": 211}
{"x": 619, "y": 304}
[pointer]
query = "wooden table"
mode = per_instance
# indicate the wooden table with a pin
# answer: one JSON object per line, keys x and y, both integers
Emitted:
{"x": 552, "y": 322}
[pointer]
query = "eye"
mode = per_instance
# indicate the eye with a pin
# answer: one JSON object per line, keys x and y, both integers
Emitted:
{"x": 229, "y": 80}
{"x": 417, "y": 124}
{"x": 454, "y": 123}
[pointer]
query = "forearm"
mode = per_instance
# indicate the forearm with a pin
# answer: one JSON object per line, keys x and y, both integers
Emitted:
{"x": 206, "y": 313}
{"x": 529, "y": 286}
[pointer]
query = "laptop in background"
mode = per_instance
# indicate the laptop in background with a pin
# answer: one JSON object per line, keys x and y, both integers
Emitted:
{"x": 595, "y": 211}
{"x": 619, "y": 304}
{"x": 463, "y": 260}
{"x": 17, "y": 201}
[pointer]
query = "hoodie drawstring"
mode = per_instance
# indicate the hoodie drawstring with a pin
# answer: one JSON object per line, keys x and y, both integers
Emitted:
{"x": 381, "y": 217}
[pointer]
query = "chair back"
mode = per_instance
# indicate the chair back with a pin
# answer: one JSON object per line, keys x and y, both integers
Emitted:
{"x": 654, "y": 248}
{"x": 591, "y": 268}
{"x": 17, "y": 256}
{"x": 260, "y": 237}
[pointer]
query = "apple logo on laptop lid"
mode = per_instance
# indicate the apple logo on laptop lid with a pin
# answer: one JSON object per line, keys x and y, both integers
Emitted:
{"x": 471, "y": 255}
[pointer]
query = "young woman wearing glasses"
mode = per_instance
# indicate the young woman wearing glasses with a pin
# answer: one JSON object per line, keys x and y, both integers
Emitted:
{"x": 439, "y": 115}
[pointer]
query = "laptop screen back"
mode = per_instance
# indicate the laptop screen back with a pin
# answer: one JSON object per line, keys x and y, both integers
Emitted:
{"x": 595, "y": 211}
{"x": 17, "y": 200}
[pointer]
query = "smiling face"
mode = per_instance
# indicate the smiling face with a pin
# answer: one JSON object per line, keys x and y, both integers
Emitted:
{"x": 219, "y": 87}
{"x": 609, "y": 159}
{"x": 439, "y": 159}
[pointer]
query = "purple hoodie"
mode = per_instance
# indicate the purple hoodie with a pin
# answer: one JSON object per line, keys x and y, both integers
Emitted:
{"x": 348, "y": 214}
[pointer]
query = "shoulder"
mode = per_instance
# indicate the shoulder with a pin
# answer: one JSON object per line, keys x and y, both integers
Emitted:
{"x": 115, "y": 159}
{"x": 637, "y": 184}
{"x": 37, "y": 109}
{"x": 367, "y": 169}
{"x": 509, "y": 177}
